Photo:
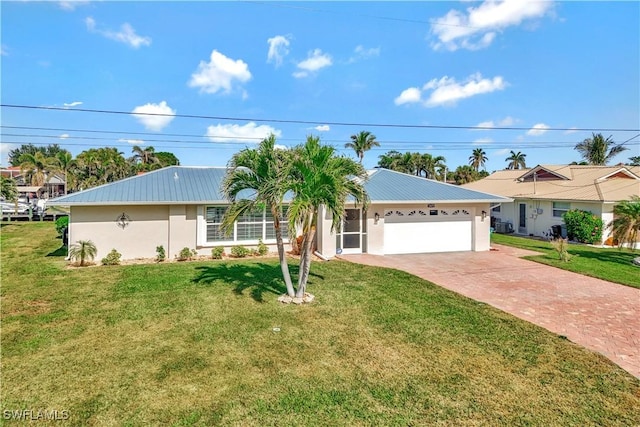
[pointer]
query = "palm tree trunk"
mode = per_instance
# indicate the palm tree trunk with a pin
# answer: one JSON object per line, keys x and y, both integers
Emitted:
{"x": 305, "y": 258}
{"x": 281, "y": 254}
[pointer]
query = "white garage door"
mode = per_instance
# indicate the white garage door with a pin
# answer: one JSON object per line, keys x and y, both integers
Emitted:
{"x": 430, "y": 230}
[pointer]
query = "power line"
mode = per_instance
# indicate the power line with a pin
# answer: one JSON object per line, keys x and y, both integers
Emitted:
{"x": 308, "y": 122}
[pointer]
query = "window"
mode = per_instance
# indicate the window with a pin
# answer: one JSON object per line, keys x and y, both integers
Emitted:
{"x": 495, "y": 208}
{"x": 249, "y": 227}
{"x": 560, "y": 208}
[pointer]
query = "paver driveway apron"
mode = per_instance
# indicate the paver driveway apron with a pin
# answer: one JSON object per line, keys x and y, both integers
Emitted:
{"x": 599, "y": 315}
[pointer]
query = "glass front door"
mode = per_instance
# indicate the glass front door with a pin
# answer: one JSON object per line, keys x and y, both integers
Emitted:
{"x": 351, "y": 236}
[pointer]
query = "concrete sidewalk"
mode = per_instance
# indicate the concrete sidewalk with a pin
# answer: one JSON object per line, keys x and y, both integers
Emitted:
{"x": 599, "y": 315}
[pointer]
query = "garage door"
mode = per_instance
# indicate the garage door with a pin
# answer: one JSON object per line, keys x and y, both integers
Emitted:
{"x": 431, "y": 230}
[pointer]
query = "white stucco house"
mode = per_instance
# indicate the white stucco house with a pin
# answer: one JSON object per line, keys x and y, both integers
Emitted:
{"x": 543, "y": 193}
{"x": 180, "y": 206}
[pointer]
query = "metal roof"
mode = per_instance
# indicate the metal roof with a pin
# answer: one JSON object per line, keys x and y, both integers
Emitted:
{"x": 202, "y": 185}
{"x": 395, "y": 187}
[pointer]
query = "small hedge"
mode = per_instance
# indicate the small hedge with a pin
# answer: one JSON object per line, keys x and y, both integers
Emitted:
{"x": 583, "y": 226}
{"x": 61, "y": 223}
{"x": 240, "y": 252}
{"x": 112, "y": 258}
{"x": 217, "y": 252}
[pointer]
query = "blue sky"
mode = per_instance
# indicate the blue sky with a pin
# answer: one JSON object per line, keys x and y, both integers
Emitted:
{"x": 536, "y": 66}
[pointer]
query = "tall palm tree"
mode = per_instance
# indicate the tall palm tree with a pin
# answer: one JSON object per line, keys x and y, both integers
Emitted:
{"x": 478, "y": 158}
{"x": 362, "y": 142}
{"x": 36, "y": 167}
{"x": 320, "y": 177}
{"x": 387, "y": 160}
{"x": 516, "y": 160}
{"x": 433, "y": 165}
{"x": 597, "y": 150}
{"x": 265, "y": 171}
{"x": 144, "y": 157}
{"x": 626, "y": 222}
{"x": 65, "y": 162}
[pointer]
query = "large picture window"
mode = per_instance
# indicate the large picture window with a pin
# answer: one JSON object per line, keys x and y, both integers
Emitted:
{"x": 250, "y": 227}
{"x": 559, "y": 208}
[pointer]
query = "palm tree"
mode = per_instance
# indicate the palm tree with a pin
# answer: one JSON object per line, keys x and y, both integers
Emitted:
{"x": 81, "y": 250}
{"x": 478, "y": 158}
{"x": 433, "y": 165}
{"x": 516, "y": 160}
{"x": 597, "y": 150}
{"x": 362, "y": 142}
{"x": 65, "y": 162}
{"x": 626, "y": 222}
{"x": 387, "y": 160}
{"x": 320, "y": 177}
{"x": 36, "y": 167}
{"x": 144, "y": 157}
{"x": 266, "y": 171}
{"x": 8, "y": 189}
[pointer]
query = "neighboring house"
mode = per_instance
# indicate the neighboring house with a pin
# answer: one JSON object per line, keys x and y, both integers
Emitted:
{"x": 52, "y": 188}
{"x": 542, "y": 194}
{"x": 180, "y": 206}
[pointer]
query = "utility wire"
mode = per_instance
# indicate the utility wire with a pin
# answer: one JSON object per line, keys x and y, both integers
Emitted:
{"x": 307, "y": 122}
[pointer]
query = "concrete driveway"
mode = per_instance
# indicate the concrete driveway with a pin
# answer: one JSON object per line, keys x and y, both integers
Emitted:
{"x": 599, "y": 315}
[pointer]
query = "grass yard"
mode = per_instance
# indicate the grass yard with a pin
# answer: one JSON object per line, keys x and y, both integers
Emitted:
{"x": 194, "y": 344}
{"x": 610, "y": 264}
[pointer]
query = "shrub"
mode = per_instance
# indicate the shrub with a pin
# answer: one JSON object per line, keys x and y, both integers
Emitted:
{"x": 583, "y": 226}
{"x": 112, "y": 258}
{"x": 240, "y": 251}
{"x": 83, "y": 250}
{"x": 187, "y": 254}
{"x": 160, "y": 253}
{"x": 61, "y": 223}
{"x": 217, "y": 252}
{"x": 561, "y": 245}
{"x": 262, "y": 248}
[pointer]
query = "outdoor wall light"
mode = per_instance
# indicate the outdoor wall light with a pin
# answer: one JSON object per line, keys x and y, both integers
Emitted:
{"x": 484, "y": 215}
{"x": 376, "y": 217}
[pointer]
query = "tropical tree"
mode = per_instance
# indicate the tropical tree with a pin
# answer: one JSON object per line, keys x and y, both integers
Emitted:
{"x": 433, "y": 166}
{"x": 8, "y": 189}
{"x": 478, "y": 158}
{"x": 625, "y": 226}
{"x": 50, "y": 150}
{"x": 597, "y": 150}
{"x": 83, "y": 250}
{"x": 516, "y": 160}
{"x": 167, "y": 159}
{"x": 37, "y": 167}
{"x": 265, "y": 171}
{"x": 65, "y": 161}
{"x": 361, "y": 143}
{"x": 321, "y": 178}
{"x": 144, "y": 158}
{"x": 387, "y": 160}
{"x": 465, "y": 174}
{"x": 97, "y": 166}
{"x": 634, "y": 161}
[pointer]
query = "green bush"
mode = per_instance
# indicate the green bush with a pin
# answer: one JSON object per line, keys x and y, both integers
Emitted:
{"x": 61, "y": 223}
{"x": 240, "y": 251}
{"x": 262, "y": 248}
{"x": 112, "y": 258}
{"x": 160, "y": 253}
{"x": 186, "y": 254}
{"x": 217, "y": 252}
{"x": 583, "y": 226}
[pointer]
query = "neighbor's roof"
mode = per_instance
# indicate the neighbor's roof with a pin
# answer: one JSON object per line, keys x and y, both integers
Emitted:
{"x": 387, "y": 186}
{"x": 564, "y": 182}
{"x": 202, "y": 185}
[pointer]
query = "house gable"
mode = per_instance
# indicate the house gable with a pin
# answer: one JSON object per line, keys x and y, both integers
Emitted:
{"x": 541, "y": 173}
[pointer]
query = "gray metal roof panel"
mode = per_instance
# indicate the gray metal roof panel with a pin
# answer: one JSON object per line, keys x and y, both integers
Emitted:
{"x": 386, "y": 185}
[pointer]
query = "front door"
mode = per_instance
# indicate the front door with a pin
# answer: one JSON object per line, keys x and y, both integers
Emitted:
{"x": 522, "y": 220}
{"x": 352, "y": 232}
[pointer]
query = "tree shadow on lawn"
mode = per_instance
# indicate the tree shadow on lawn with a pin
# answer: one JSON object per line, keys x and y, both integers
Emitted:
{"x": 616, "y": 256}
{"x": 61, "y": 251}
{"x": 257, "y": 277}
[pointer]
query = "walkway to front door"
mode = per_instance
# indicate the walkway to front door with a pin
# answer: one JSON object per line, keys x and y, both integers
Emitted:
{"x": 599, "y": 315}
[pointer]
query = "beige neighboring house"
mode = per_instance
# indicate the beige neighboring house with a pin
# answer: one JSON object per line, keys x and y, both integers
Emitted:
{"x": 180, "y": 206}
{"x": 543, "y": 193}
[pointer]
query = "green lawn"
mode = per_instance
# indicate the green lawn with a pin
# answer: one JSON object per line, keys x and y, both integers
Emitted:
{"x": 194, "y": 344}
{"x": 610, "y": 264}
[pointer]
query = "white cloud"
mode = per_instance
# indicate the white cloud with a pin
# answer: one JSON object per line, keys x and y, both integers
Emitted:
{"x": 280, "y": 147}
{"x": 132, "y": 141}
{"x": 570, "y": 131}
{"x": 71, "y": 5}
{"x": 507, "y": 121}
{"x": 247, "y": 133}
{"x": 447, "y": 91}
{"x": 64, "y": 136}
{"x": 5, "y": 148}
{"x": 3, "y": 50}
{"x": 481, "y": 141}
{"x": 220, "y": 74}
{"x": 538, "y": 129}
{"x": 409, "y": 96}
{"x": 315, "y": 61}
{"x": 478, "y": 26}
{"x": 71, "y": 104}
{"x": 126, "y": 35}
{"x": 360, "y": 53}
{"x": 154, "y": 123}
{"x": 502, "y": 152}
{"x": 323, "y": 128}
{"x": 278, "y": 49}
